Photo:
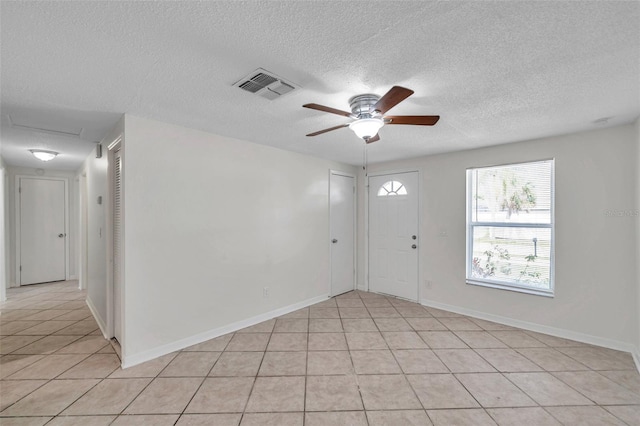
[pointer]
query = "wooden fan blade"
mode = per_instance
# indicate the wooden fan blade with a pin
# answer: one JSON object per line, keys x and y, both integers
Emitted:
{"x": 327, "y": 109}
{"x": 373, "y": 139}
{"x": 418, "y": 120}
{"x": 393, "y": 97}
{"x": 319, "y": 132}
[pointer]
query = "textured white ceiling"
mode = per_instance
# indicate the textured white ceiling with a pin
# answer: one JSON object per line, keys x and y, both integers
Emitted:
{"x": 496, "y": 72}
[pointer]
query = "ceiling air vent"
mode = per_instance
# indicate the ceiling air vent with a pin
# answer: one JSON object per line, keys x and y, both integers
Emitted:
{"x": 266, "y": 84}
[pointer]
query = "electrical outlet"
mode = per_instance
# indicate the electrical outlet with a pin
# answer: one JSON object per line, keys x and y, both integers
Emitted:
{"x": 265, "y": 292}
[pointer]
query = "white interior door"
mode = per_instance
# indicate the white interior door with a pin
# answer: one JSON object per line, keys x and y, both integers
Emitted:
{"x": 42, "y": 230}
{"x": 393, "y": 234}
{"x": 117, "y": 244}
{"x": 341, "y": 213}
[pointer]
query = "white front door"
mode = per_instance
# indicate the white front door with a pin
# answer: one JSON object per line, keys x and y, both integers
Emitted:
{"x": 42, "y": 230}
{"x": 341, "y": 213}
{"x": 393, "y": 234}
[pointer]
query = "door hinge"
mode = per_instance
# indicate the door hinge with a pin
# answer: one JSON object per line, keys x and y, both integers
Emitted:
{"x": 19, "y": 190}
{"x": 20, "y": 268}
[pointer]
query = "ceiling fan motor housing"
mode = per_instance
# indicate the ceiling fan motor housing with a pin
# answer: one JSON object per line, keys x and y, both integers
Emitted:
{"x": 362, "y": 105}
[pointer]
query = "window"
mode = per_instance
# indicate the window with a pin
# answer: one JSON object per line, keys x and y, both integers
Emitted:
{"x": 393, "y": 187}
{"x": 510, "y": 227}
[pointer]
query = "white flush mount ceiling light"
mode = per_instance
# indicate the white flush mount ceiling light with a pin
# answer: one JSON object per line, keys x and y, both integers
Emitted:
{"x": 43, "y": 155}
{"x": 366, "y": 128}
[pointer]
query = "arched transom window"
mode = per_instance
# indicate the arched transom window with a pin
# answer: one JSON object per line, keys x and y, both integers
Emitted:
{"x": 393, "y": 187}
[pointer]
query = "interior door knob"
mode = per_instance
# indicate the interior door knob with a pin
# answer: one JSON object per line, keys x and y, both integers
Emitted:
{"x": 334, "y": 241}
{"x": 413, "y": 246}
{"x": 60, "y": 235}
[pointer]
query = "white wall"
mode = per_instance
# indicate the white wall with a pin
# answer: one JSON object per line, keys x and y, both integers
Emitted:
{"x": 4, "y": 226}
{"x": 94, "y": 174}
{"x": 210, "y": 221}
{"x": 596, "y": 279}
{"x": 72, "y": 207}
{"x": 637, "y": 129}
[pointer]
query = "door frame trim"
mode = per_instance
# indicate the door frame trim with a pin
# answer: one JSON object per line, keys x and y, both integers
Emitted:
{"x": 83, "y": 228}
{"x": 4, "y": 233}
{"x": 18, "y": 223}
{"x": 366, "y": 221}
{"x": 116, "y": 144}
{"x": 354, "y": 224}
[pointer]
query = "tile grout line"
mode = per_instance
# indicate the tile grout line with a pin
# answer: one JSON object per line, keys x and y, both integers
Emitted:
{"x": 255, "y": 378}
{"x": 364, "y": 408}
{"x": 306, "y": 370}
{"x": 143, "y": 388}
{"x": 204, "y": 379}
{"x": 50, "y": 380}
{"x": 398, "y": 308}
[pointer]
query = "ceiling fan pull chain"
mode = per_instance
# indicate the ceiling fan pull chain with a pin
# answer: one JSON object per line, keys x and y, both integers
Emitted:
{"x": 364, "y": 160}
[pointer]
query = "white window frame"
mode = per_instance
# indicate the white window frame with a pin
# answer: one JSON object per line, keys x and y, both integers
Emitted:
{"x": 392, "y": 193}
{"x": 503, "y": 285}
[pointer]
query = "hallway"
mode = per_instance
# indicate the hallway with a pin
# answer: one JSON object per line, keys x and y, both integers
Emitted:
{"x": 357, "y": 359}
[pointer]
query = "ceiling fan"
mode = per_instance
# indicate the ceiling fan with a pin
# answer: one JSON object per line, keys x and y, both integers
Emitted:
{"x": 368, "y": 111}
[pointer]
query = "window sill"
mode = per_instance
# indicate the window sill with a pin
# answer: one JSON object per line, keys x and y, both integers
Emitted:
{"x": 500, "y": 286}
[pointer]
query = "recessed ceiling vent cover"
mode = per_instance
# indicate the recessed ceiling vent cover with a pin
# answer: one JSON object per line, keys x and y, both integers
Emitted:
{"x": 266, "y": 84}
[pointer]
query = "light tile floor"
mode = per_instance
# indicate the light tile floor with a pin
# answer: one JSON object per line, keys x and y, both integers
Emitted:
{"x": 357, "y": 359}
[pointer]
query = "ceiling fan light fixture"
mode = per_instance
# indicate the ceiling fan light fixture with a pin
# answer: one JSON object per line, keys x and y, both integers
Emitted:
{"x": 43, "y": 155}
{"x": 366, "y": 128}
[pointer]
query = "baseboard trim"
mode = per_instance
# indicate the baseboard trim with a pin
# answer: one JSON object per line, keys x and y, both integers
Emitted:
{"x": 99, "y": 320}
{"x": 553, "y": 331}
{"x": 131, "y": 360}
